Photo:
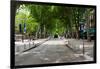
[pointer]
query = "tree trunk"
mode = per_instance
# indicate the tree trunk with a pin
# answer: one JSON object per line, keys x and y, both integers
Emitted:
{"x": 44, "y": 31}
{"x": 88, "y": 25}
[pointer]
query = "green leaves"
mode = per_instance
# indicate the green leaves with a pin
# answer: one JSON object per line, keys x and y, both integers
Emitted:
{"x": 23, "y": 16}
{"x": 49, "y": 19}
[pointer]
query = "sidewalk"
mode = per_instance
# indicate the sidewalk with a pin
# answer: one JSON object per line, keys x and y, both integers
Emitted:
{"x": 27, "y": 44}
{"x": 77, "y": 46}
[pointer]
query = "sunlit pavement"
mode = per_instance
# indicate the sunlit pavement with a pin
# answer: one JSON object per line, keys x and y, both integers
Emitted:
{"x": 27, "y": 44}
{"x": 52, "y": 51}
{"x": 77, "y": 45}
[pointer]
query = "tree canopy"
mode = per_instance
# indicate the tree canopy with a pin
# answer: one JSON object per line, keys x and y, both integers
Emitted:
{"x": 45, "y": 20}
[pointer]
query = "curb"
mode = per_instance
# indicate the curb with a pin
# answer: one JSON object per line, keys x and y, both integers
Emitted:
{"x": 71, "y": 48}
{"x": 36, "y": 45}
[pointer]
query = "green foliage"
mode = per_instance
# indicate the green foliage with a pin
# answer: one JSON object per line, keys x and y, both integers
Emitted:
{"x": 22, "y": 17}
{"x": 41, "y": 19}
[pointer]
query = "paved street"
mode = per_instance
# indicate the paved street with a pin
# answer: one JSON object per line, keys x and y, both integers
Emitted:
{"x": 51, "y": 51}
{"x": 27, "y": 44}
{"x": 77, "y": 45}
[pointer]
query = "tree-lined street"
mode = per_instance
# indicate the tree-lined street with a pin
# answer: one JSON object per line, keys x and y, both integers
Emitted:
{"x": 47, "y": 34}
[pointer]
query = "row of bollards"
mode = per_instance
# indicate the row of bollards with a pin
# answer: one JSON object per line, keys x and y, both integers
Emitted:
{"x": 24, "y": 46}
